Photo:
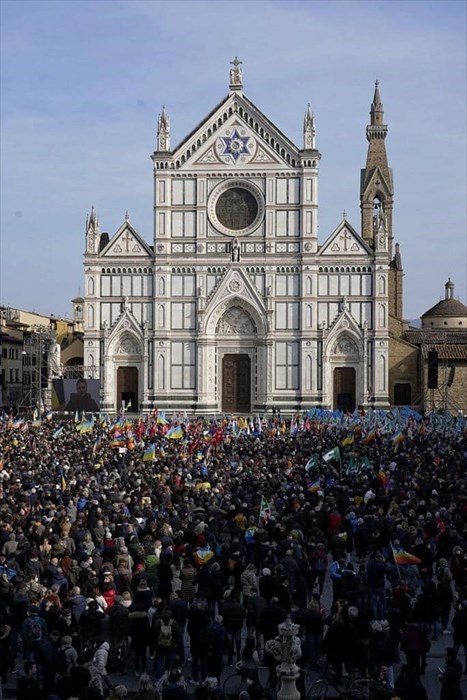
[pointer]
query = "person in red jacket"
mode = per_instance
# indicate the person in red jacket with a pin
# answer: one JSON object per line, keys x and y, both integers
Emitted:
{"x": 108, "y": 589}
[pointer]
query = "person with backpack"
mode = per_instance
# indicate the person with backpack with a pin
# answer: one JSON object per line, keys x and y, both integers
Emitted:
{"x": 33, "y": 634}
{"x": 67, "y": 656}
{"x": 166, "y": 635}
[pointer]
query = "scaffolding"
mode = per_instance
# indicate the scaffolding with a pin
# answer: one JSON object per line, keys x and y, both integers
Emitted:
{"x": 437, "y": 399}
{"x": 38, "y": 341}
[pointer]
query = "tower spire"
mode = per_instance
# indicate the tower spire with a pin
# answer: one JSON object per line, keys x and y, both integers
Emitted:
{"x": 376, "y": 190}
{"x": 309, "y": 129}
{"x": 92, "y": 231}
{"x": 376, "y": 110}
{"x": 163, "y": 131}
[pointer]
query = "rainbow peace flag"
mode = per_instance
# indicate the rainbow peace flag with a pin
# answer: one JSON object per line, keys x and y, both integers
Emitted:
{"x": 120, "y": 442}
{"x": 403, "y": 557}
{"x": 314, "y": 486}
{"x": 370, "y": 437}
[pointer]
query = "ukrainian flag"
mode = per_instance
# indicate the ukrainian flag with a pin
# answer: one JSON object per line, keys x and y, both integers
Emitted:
{"x": 175, "y": 433}
{"x": 150, "y": 454}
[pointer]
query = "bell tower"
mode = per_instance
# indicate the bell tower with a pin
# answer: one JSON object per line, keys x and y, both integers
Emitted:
{"x": 376, "y": 185}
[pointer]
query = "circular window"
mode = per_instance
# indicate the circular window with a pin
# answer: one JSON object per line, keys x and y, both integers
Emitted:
{"x": 236, "y": 207}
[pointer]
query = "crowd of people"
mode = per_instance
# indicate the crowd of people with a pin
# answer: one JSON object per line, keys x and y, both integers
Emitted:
{"x": 137, "y": 547}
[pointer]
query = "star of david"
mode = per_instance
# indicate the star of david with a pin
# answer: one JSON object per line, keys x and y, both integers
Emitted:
{"x": 235, "y": 145}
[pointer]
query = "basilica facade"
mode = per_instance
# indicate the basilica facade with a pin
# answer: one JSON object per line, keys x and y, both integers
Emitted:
{"x": 236, "y": 305}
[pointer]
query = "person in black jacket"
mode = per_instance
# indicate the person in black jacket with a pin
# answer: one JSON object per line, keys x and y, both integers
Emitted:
{"x": 459, "y": 624}
{"x": 376, "y": 571}
{"x": 409, "y": 685}
{"x": 27, "y": 685}
{"x": 198, "y": 618}
{"x": 313, "y": 626}
{"x": 450, "y": 678}
{"x": 234, "y": 614}
{"x": 212, "y": 640}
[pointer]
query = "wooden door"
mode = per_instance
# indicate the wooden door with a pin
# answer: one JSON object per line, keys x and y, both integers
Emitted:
{"x": 127, "y": 387}
{"x": 344, "y": 389}
{"x": 236, "y": 384}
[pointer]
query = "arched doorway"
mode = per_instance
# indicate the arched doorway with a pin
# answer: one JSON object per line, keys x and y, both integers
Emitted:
{"x": 344, "y": 389}
{"x": 127, "y": 387}
{"x": 236, "y": 384}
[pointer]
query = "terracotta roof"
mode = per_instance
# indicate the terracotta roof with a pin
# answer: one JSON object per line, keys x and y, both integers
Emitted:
{"x": 431, "y": 337}
{"x": 447, "y": 307}
{"x": 451, "y": 352}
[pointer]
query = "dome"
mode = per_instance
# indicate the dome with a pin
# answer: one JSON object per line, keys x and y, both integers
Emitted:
{"x": 447, "y": 313}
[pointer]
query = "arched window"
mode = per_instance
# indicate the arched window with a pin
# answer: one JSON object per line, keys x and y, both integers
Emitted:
{"x": 91, "y": 316}
{"x": 382, "y": 315}
{"x": 161, "y": 316}
{"x": 161, "y": 372}
{"x": 308, "y": 372}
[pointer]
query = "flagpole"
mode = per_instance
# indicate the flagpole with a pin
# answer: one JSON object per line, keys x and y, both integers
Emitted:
{"x": 395, "y": 562}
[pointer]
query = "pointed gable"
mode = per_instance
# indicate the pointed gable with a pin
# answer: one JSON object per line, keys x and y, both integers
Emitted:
{"x": 375, "y": 180}
{"x": 126, "y": 335}
{"x": 344, "y": 241}
{"x": 236, "y": 132}
{"x": 235, "y": 289}
{"x": 127, "y": 243}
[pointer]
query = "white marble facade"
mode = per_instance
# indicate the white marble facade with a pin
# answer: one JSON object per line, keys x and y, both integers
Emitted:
{"x": 235, "y": 269}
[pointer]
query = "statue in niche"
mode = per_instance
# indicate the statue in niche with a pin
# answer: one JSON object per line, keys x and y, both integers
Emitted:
{"x": 379, "y": 217}
{"x": 235, "y": 251}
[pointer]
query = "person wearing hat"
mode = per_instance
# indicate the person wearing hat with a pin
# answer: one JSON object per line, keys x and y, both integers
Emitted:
{"x": 67, "y": 657}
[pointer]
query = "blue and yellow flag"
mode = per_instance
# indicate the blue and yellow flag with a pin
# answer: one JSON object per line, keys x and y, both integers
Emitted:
{"x": 175, "y": 433}
{"x": 150, "y": 454}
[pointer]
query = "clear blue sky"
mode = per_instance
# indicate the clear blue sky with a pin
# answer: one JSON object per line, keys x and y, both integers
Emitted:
{"x": 82, "y": 83}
